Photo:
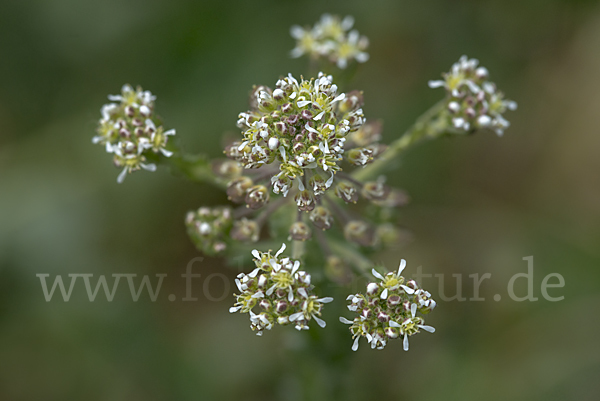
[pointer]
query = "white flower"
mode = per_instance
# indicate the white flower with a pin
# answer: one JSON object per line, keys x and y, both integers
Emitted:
{"x": 473, "y": 102}
{"x": 281, "y": 290}
{"x": 331, "y": 38}
{"x": 388, "y": 310}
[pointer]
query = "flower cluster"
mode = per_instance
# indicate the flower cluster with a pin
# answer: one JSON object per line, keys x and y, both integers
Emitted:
{"x": 301, "y": 127}
{"x": 388, "y": 310}
{"x": 209, "y": 228}
{"x": 473, "y": 102}
{"x": 297, "y": 140}
{"x": 131, "y": 132}
{"x": 331, "y": 38}
{"x": 279, "y": 292}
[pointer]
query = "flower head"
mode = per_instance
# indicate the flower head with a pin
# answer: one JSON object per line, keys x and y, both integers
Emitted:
{"x": 209, "y": 228}
{"x": 473, "y": 102}
{"x": 131, "y": 132}
{"x": 388, "y": 310}
{"x": 299, "y": 129}
{"x": 331, "y": 38}
{"x": 277, "y": 292}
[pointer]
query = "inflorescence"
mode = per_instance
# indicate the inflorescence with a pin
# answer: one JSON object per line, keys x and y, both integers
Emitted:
{"x": 279, "y": 292}
{"x": 303, "y": 154}
{"x": 131, "y": 132}
{"x": 388, "y": 310}
{"x": 297, "y": 141}
{"x": 473, "y": 102}
{"x": 331, "y": 38}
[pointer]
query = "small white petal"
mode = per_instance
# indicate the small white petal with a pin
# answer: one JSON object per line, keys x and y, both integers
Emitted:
{"x": 427, "y": 328}
{"x": 384, "y": 294}
{"x": 402, "y": 266}
{"x": 270, "y": 290}
{"x": 234, "y": 309}
{"x": 122, "y": 176}
{"x": 413, "y": 310}
{"x": 325, "y": 300}
{"x": 339, "y": 97}
{"x": 166, "y": 152}
{"x": 280, "y": 251}
{"x": 320, "y": 322}
{"x": 346, "y": 321}
{"x": 148, "y": 167}
{"x": 296, "y": 316}
{"x": 297, "y": 32}
{"x": 394, "y": 324}
{"x": 376, "y": 274}
{"x": 296, "y": 267}
{"x": 405, "y": 342}
{"x": 256, "y": 254}
{"x": 435, "y": 84}
{"x": 319, "y": 116}
{"x": 408, "y": 290}
{"x": 355, "y": 345}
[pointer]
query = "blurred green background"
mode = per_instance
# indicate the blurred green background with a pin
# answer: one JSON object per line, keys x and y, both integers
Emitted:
{"x": 479, "y": 204}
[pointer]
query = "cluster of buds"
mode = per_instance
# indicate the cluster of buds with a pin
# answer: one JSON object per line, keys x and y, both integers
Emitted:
{"x": 389, "y": 310}
{"x": 131, "y": 132}
{"x": 209, "y": 228}
{"x": 331, "y": 38}
{"x": 473, "y": 102}
{"x": 277, "y": 292}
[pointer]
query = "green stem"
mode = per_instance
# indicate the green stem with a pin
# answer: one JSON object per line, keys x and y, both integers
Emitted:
{"x": 362, "y": 263}
{"x": 297, "y": 249}
{"x": 194, "y": 168}
{"x": 426, "y": 126}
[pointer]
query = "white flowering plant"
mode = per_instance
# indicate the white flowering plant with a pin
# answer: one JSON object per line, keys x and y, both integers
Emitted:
{"x": 308, "y": 169}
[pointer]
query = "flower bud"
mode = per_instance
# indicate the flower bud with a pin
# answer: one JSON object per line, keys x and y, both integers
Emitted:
{"x": 306, "y": 114}
{"x": 367, "y": 134}
{"x": 278, "y": 95}
{"x": 321, "y": 217}
{"x": 237, "y": 188}
{"x": 360, "y": 156}
{"x": 300, "y": 231}
{"x": 281, "y": 306}
{"x": 372, "y": 289}
{"x": 392, "y": 332}
{"x": 394, "y": 300}
{"x": 245, "y": 230}
{"x": 265, "y": 304}
{"x": 396, "y": 198}
{"x": 383, "y": 317}
{"x": 226, "y": 168}
{"x": 375, "y": 190}
{"x": 305, "y": 201}
{"x": 352, "y": 101}
{"x": 346, "y": 192}
{"x": 257, "y": 196}
{"x": 359, "y": 232}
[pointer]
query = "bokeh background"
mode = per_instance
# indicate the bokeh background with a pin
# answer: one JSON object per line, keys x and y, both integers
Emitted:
{"x": 479, "y": 204}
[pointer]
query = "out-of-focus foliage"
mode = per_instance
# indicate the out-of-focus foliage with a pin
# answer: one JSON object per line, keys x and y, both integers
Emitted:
{"x": 479, "y": 205}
